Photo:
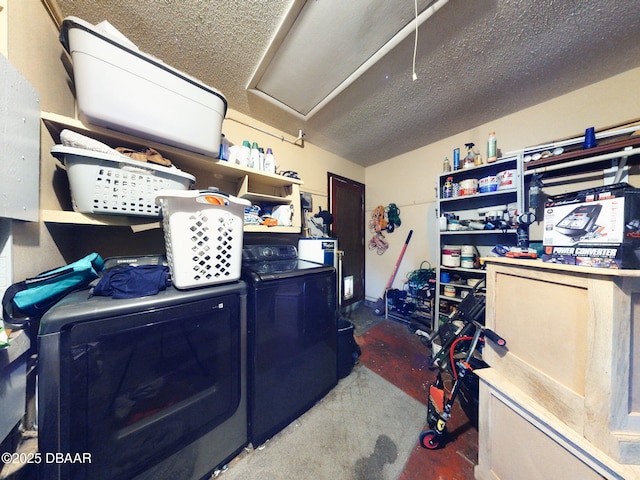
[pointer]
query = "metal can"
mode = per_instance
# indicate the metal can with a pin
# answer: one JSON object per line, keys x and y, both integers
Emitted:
{"x": 456, "y": 159}
{"x": 447, "y": 188}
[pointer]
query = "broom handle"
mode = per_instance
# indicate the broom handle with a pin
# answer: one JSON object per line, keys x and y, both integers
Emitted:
{"x": 395, "y": 269}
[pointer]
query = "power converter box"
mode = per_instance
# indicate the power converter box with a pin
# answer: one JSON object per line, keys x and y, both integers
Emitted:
{"x": 598, "y": 227}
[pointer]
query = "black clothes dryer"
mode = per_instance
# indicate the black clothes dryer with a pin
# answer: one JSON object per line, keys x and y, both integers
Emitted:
{"x": 143, "y": 388}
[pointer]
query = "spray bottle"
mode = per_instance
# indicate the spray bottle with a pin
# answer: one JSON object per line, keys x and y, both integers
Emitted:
{"x": 469, "y": 160}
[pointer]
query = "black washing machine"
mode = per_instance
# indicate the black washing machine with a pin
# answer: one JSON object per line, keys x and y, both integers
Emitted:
{"x": 292, "y": 336}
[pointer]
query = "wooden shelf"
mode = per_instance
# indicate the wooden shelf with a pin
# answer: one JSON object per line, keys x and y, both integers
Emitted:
{"x": 75, "y": 218}
{"x": 276, "y": 229}
{"x": 578, "y": 153}
{"x": 243, "y": 182}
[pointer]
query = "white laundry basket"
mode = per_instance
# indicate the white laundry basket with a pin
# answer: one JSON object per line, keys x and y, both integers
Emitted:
{"x": 115, "y": 184}
{"x": 203, "y": 232}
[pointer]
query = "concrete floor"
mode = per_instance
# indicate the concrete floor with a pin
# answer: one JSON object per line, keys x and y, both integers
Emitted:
{"x": 390, "y": 349}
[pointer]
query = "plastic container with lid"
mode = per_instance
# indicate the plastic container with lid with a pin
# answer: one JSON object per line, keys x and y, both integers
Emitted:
{"x": 122, "y": 88}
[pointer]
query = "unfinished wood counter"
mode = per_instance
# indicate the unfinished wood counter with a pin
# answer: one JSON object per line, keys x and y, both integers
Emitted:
{"x": 567, "y": 389}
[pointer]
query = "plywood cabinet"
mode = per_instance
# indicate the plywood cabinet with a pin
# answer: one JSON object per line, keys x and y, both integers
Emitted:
{"x": 569, "y": 382}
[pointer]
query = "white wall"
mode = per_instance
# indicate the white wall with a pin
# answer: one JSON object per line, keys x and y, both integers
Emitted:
{"x": 409, "y": 180}
{"x": 311, "y": 163}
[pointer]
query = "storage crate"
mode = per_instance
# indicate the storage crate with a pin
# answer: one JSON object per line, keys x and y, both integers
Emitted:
{"x": 203, "y": 232}
{"x": 115, "y": 184}
{"x": 122, "y": 88}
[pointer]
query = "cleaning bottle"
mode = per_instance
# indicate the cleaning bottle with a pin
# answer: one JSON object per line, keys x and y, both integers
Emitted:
{"x": 254, "y": 158}
{"x": 469, "y": 161}
{"x": 477, "y": 158}
{"x": 245, "y": 153}
{"x": 269, "y": 162}
{"x": 492, "y": 151}
{"x": 446, "y": 166}
{"x": 224, "y": 148}
{"x": 261, "y": 155}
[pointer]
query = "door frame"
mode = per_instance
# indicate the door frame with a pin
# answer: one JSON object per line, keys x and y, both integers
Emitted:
{"x": 331, "y": 179}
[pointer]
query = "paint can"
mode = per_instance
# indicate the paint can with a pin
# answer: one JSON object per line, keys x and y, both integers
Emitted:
{"x": 506, "y": 179}
{"x": 472, "y": 282}
{"x": 451, "y": 255}
{"x": 449, "y": 291}
{"x": 488, "y": 184}
{"x": 469, "y": 187}
{"x": 444, "y": 306}
{"x": 467, "y": 256}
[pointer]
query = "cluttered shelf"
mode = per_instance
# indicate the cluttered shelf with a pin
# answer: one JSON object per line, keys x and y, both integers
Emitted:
{"x": 188, "y": 160}
{"x": 244, "y": 182}
{"x": 414, "y": 302}
{"x": 572, "y": 153}
{"x": 479, "y": 232}
{"x": 476, "y": 196}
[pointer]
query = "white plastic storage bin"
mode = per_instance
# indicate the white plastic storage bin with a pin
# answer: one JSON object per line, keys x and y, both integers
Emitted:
{"x": 203, "y": 232}
{"x": 120, "y": 87}
{"x": 116, "y": 184}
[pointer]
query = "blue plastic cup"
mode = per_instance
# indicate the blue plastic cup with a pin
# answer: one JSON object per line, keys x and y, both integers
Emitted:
{"x": 589, "y": 138}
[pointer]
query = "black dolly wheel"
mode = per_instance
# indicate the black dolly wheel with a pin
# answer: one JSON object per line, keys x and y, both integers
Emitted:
{"x": 428, "y": 439}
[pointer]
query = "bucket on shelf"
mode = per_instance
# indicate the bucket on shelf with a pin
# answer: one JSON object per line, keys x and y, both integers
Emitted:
{"x": 467, "y": 256}
{"x": 451, "y": 255}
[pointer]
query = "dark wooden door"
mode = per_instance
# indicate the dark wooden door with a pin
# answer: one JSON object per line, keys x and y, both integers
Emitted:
{"x": 346, "y": 204}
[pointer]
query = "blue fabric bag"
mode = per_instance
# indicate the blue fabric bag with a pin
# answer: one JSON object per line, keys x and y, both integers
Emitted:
{"x": 32, "y": 297}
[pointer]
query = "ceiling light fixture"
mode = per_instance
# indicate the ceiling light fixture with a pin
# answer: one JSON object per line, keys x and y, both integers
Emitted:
{"x": 320, "y": 49}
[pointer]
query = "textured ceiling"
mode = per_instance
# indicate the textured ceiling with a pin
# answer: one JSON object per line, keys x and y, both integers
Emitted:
{"x": 477, "y": 61}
